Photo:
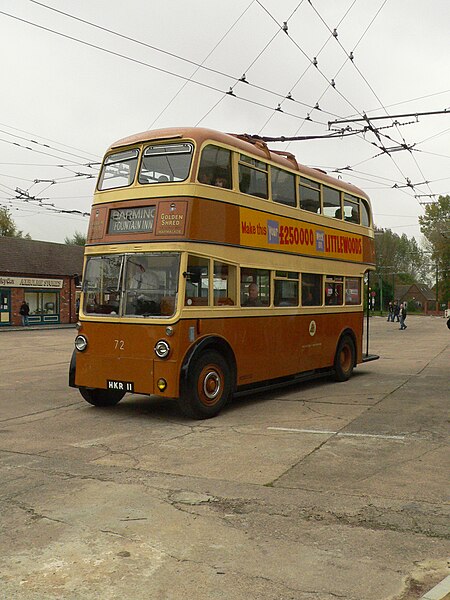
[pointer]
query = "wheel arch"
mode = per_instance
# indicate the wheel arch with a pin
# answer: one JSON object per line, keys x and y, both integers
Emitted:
{"x": 350, "y": 333}
{"x": 212, "y": 342}
{"x": 72, "y": 369}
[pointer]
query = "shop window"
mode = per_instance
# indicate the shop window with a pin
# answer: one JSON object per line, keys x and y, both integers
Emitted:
{"x": 255, "y": 287}
{"x": 334, "y": 288}
{"x": 42, "y": 303}
{"x": 311, "y": 289}
{"x": 283, "y": 186}
{"x": 215, "y": 167}
{"x": 352, "y": 291}
{"x": 224, "y": 284}
{"x": 197, "y": 281}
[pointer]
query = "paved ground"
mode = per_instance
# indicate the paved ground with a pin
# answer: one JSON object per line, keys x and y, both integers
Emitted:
{"x": 315, "y": 492}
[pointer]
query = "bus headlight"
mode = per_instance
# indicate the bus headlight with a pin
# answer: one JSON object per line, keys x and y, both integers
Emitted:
{"x": 81, "y": 343}
{"x": 162, "y": 349}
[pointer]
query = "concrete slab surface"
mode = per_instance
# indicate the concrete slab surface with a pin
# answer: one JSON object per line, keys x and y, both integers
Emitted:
{"x": 312, "y": 492}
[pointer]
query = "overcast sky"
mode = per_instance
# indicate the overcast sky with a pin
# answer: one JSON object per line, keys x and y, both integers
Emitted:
{"x": 69, "y": 89}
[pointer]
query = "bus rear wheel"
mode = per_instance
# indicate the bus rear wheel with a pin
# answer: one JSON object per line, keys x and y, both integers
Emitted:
{"x": 344, "y": 360}
{"x": 101, "y": 397}
{"x": 208, "y": 386}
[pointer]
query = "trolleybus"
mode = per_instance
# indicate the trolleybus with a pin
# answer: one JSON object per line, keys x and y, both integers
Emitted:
{"x": 214, "y": 265}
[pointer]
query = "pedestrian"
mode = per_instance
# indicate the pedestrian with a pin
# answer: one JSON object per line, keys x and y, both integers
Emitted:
{"x": 390, "y": 312}
{"x": 396, "y": 311}
{"x": 403, "y": 313}
{"x": 24, "y": 312}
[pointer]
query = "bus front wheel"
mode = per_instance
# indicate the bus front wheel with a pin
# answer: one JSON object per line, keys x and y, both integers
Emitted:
{"x": 208, "y": 386}
{"x": 101, "y": 397}
{"x": 344, "y": 360}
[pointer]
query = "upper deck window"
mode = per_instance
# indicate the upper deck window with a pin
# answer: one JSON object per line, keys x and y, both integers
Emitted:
{"x": 332, "y": 202}
{"x": 166, "y": 163}
{"x": 309, "y": 195}
{"x": 351, "y": 208}
{"x": 253, "y": 177}
{"x": 283, "y": 186}
{"x": 365, "y": 213}
{"x": 215, "y": 167}
{"x": 118, "y": 170}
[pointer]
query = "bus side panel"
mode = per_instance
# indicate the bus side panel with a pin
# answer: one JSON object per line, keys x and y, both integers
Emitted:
{"x": 267, "y": 348}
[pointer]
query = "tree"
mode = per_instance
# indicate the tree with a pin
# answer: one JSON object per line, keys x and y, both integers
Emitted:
{"x": 78, "y": 239}
{"x": 400, "y": 260}
{"x": 435, "y": 226}
{"x": 7, "y": 226}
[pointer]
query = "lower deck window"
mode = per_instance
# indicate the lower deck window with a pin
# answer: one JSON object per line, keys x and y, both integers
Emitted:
{"x": 334, "y": 290}
{"x": 352, "y": 291}
{"x": 255, "y": 287}
{"x": 311, "y": 289}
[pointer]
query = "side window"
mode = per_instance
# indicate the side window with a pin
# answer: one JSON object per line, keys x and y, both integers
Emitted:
{"x": 365, "y": 213}
{"x": 224, "y": 284}
{"x": 351, "y": 208}
{"x": 311, "y": 289}
{"x": 334, "y": 290}
{"x": 253, "y": 178}
{"x": 309, "y": 195}
{"x": 255, "y": 287}
{"x": 332, "y": 203}
{"x": 197, "y": 281}
{"x": 283, "y": 186}
{"x": 286, "y": 289}
{"x": 352, "y": 291}
{"x": 215, "y": 167}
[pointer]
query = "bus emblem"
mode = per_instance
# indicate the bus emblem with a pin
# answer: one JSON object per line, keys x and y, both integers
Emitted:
{"x": 312, "y": 328}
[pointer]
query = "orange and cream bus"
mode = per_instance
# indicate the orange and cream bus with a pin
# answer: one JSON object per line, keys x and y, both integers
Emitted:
{"x": 214, "y": 265}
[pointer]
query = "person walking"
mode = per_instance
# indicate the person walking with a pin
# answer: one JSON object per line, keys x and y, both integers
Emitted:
{"x": 390, "y": 311}
{"x": 403, "y": 313}
{"x": 396, "y": 311}
{"x": 24, "y": 312}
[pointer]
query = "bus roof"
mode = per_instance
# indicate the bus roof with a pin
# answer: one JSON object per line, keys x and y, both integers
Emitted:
{"x": 243, "y": 142}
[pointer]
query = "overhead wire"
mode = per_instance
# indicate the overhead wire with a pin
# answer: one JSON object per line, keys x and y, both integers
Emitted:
{"x": 155, "y": 48}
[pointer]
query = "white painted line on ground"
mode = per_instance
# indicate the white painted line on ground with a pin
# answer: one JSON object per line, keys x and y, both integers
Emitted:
{"x": 340, "y": 434}
{"x": 439, "y": 592}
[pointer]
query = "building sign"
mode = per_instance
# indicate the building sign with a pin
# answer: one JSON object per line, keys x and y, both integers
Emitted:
{"x": 139, "y": 219}
{"x": 290, "y": 235}
{"x": 30, "y": 282}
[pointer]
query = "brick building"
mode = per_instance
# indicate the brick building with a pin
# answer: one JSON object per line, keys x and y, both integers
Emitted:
{"x": 420, "y": 295}
{"x": 42, "y": 273}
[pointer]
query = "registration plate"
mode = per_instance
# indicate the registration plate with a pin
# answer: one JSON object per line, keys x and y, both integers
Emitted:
{"x": 119, "y": 386}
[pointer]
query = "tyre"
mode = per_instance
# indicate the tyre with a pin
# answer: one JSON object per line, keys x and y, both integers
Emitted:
{"x": 208, "y": 386}
{"x": 344, "y": 360}
{"x": 101, "y": 397}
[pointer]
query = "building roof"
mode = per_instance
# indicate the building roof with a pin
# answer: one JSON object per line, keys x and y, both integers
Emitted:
{"x": 402, "y": 290}
{"x": 18, "y": 255}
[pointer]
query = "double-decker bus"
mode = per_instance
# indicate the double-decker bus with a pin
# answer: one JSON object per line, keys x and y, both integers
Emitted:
{"x": 213, "y": 265}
